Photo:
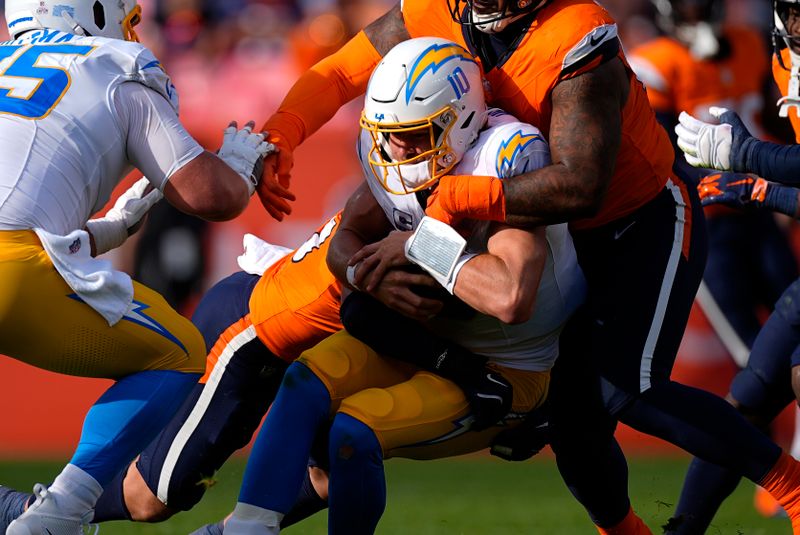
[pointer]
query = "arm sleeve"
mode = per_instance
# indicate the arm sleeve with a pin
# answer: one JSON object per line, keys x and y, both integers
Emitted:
{"x": 319, "y": 93}
{"x": 780, "y": 163}
{"x": 157, "y": 143}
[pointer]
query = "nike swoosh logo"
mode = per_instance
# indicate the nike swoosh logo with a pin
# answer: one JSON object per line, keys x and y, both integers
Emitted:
{"x": 485, "y": 396}
{"x": 595, "y": 39}
{"x": 618, "y": 234}
{"x": 47, "y": 532}
{"x": 495, "y": 381}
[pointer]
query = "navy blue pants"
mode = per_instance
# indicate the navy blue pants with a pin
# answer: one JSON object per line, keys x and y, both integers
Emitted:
{"x": 220, "y": 416}
{"x": 618, "y": 351}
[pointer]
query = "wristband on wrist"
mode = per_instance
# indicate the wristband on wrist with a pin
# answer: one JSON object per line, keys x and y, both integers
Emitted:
{"x": 350, "y": 275}
{"x": 107, "y": 233}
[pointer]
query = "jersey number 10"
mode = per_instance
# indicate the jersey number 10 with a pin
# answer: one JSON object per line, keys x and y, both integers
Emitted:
{"x": 29, "y": 87}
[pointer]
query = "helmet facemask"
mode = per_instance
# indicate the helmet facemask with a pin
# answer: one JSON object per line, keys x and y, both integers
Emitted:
{"x": 131, "y": 20}
{"x": 419, "y": 171}
{"x": 488, "y": 20}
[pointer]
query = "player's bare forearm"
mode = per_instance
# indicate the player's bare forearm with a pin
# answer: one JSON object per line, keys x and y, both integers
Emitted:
{"x": 504, "y": 281}
{"x": 363, "y": 222}
{"x": 585, "y": 135}
{"x": 388, "y": 30}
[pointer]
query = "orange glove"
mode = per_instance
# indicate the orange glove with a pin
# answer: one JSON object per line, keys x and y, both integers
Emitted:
{"x": 471, "y": 197}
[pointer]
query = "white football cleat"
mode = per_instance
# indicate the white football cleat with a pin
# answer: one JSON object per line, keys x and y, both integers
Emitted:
{"x": 44, "y": 518}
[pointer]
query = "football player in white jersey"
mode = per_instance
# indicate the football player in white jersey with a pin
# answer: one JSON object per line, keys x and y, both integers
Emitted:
{"x": 80, "y": 107}
{"x": 425, "y": 116}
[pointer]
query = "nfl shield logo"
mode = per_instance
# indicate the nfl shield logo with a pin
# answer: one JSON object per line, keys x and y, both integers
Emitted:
{"x": 75, "y": 246}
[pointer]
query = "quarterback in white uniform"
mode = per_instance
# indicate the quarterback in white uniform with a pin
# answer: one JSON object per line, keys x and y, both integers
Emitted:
{"x": 425, "y": 116}
{"x": 80, "y": 107}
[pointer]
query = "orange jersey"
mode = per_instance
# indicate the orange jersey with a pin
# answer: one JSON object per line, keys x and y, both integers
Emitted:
{"x": 782, "y": 77}
{"x": 676, "y": 81}
{"x": 566, "y": 39}
{"x": 296, "y": 302}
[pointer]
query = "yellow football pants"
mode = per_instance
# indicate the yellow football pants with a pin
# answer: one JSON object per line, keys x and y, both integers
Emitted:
{"x": 40, "y": 323}
{"x": 415, "y": 414}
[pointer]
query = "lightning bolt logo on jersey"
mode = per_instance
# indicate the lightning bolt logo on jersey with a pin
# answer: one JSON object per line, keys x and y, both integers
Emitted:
{"x": 431, "y": 61}
{"x": 511, "y": 148}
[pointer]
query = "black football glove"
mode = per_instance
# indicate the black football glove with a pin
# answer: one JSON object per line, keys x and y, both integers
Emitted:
{"x": 526, "y": 440}
{"x": 489, "y": 393}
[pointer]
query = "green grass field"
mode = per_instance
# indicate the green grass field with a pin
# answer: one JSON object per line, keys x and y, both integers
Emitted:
{"x": 470, "y": 496}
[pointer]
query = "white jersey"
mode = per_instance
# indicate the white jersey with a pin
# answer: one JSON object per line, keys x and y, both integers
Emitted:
{"x": 505, "y": 148}
{"x": 76, "y": 115}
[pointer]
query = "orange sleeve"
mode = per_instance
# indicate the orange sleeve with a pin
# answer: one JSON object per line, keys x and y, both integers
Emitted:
{"x": 319, "y": 93}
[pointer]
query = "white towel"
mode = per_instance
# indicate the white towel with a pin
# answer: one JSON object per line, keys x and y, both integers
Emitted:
{"x": 259, "y": 255}
{"x": 106, "y": 290}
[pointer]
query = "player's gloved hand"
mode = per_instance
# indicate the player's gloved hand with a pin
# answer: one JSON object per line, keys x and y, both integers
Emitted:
{"x": 721, "y": 146}
{"x": 527, "y": 439}
{"x": 273, "y": 190}
{"x": 742, "y": 191}
{"x": 124, "y": 218}
{"x": 489, "y": 393}
{"x": 704, "y": 145}
{"x": 244, "y": 152}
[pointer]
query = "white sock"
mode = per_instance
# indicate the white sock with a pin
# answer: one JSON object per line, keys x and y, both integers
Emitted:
{"x": 252, "y": 520}
{"x": 75, "y": 491}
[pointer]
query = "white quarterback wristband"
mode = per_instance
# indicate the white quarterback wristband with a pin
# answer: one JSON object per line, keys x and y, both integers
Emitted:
{"x": 437, "y": 248}
{"x": 350, "y": 275}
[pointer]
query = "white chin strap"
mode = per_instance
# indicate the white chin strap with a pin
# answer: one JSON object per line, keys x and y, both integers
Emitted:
{"x": 792, "y": 98}
{"x": 490, "y": 23}
{"x": 702, "y": 41}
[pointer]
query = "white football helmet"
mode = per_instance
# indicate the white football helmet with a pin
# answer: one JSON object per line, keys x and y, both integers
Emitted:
{"x": 106, "y": 18}
{"x": 425, "y": 85}
{"x": 780, "y": 35}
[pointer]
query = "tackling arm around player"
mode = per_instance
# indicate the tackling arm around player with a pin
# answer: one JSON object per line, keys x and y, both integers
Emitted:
{"x": 406, "y": 144}
{"x": 559, "y": 64}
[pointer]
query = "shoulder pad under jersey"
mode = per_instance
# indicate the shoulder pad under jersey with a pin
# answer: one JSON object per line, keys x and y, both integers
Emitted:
{"x": 511, "y": 148}
{"x": 140, "y": 65}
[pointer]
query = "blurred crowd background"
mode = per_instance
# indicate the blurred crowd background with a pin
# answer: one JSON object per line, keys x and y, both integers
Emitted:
{"x": 236, "y": 59}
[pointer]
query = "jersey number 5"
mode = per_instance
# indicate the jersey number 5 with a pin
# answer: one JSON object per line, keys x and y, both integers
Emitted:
{"x": 33, "y": 83}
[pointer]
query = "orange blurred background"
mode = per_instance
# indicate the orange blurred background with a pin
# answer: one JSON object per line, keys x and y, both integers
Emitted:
{"x": 235, "y": 59}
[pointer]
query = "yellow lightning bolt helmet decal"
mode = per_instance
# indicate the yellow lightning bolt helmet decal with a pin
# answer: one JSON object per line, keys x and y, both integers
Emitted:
{"x": 431, "y": 60}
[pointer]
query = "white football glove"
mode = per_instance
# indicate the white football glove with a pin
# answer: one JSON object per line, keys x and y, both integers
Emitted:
{"x": 705, "y": 145}
{"x": 120, "y": 221}
{"x": 244, "y": 152}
